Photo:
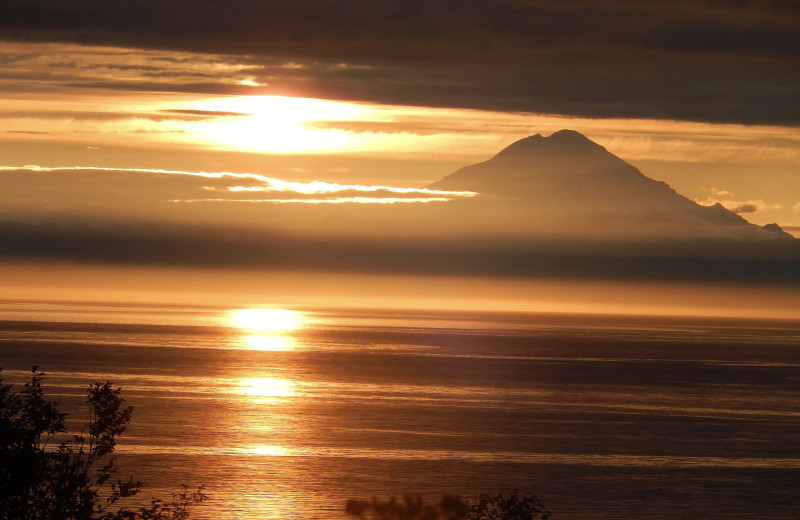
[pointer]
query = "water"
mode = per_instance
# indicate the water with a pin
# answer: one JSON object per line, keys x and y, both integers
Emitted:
{"x": 286, "y": 415}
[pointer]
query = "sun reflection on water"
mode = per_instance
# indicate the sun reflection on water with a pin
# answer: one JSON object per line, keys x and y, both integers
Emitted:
{"x": 269, "y": 450}
{"x": 266, "y": 320}
{"x": 266, "y": 415}
{"x": 268, "y": 342}
{"x": 270, "y": 330}
{"x": 267, "y": 387}
{"x": 266, "y": 426}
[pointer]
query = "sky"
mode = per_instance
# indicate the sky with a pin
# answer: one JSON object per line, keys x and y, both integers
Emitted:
{"x": 136, "y": 122}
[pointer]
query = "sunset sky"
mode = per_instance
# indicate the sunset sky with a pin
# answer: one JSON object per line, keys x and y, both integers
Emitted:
{"x": 234, "y": 114}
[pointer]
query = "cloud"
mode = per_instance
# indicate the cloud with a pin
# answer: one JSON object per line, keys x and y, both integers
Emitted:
{"x": 329, "y": 200}
{"x": 740, "y": 206}
{"x": 82, "y": 64}
{"x": 232, "y": 187}
{"x": 686, "y": 60}
{"x": 206, "y": 113}
{"x": 479, "y": 28}
{"x": 46, "y": 88}
{"x": 794, "y": 230}
{"x": 720, "y": 193}
{"x": 194, "y": 246}
{"x": 747, "y": 207}
{"x": 796, "y": 208}
{"x": 725, "y": 198}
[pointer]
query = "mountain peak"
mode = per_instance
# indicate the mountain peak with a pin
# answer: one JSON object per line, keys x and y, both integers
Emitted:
{"x": 570, "y": 137}
{"x": 775, "y": 228}
{"x": 563, "y": 141}
{"x": 566, "y": 162}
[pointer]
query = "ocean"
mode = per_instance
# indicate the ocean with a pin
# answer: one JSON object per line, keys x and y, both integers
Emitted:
{"x": 287, "y": 413}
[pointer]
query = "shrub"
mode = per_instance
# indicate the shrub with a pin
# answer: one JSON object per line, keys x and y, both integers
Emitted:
{"x": 484, "y": 506}
{"x": 74, "y": 479}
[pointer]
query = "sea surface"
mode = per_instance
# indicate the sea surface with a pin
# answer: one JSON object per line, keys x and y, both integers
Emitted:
{"x": 287, "y": 413}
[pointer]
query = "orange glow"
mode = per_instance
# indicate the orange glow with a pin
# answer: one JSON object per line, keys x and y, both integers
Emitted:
{"x": 269, "y": 342}
{"x": 266, "y": 320}
{"x": 276, "y": 124}
{"x": 268, "y": 330}
{"x": 267, "y": 387}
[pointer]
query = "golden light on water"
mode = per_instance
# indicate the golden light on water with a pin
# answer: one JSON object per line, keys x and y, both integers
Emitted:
{"x": 267, "y": 387}
{"x": 269, "y": 342}
{"x": 266, "y": 320}
{"x": 269, "y": 330}
{"x": 269, "y": 450}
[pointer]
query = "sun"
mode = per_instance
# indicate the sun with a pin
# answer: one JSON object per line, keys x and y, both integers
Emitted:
{"x": 276, "y": 124}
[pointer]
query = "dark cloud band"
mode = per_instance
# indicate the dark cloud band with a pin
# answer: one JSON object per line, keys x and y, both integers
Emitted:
{"x": 704, "y": 61}
{"x": 709, "y": 261}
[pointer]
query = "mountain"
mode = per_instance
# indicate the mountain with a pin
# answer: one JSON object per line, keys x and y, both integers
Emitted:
{"x": 566, "y": 184}
{"x": 557, "y": 207}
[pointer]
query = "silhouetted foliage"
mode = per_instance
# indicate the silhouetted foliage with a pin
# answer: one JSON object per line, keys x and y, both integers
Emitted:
{"x": 507, "y": 507}
{"x": 409, "y": 508}
{"x": 484, "y": 506}
{"x": 74, "y": 479}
